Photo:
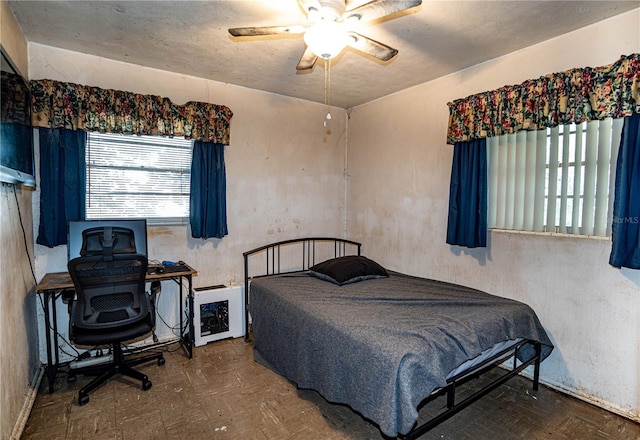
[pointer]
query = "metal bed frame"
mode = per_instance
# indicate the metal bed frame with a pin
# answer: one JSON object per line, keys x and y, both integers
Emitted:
{"x": 450, "y": 389}
{"x": 342, "y": 247}
{"x": 273, "y": 255}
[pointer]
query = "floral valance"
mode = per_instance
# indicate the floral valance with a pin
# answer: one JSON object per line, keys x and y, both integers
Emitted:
{"x": 14, "y": 107}
{"x": 573, "y": 96}
{"x": 77, "y": 107}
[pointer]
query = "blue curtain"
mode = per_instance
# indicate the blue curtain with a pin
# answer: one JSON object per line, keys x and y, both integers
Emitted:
{"x": 208, "y": 201}
{"x": 467, "y": 225}
{"x": 625, "y": 249}
{"x": 62, "y": 183}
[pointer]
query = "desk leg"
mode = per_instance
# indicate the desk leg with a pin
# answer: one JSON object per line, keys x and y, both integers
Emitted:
{"x": 186, "y": 333}
{"x": 54, "y": 315}
{"x": 52, "y": 367}
{"x": 191, "y": 312}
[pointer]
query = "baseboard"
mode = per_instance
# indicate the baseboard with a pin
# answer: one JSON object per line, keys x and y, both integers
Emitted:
{"x": 30, "y": 399}
{"x": 28, "y": 405}
{"x": 592, "y": 400}
{"x": 607, "y": 406}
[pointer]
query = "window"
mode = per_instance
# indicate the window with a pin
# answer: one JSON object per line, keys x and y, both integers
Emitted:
{"x": 132, "y": 176}
{"x": 561, "y": 179}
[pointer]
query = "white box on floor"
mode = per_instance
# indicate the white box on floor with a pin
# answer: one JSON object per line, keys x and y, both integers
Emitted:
{"x": 218, "y": 313}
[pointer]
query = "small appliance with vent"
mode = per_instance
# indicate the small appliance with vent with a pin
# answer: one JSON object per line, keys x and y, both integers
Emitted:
{"x": 218, "y": 313}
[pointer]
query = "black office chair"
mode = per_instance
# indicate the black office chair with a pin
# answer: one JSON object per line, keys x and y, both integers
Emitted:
{"x": 111, "y": 306}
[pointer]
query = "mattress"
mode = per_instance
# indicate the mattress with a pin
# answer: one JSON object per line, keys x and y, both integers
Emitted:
{"x": 380, "y": 346}
{"x": 482, "y": 357}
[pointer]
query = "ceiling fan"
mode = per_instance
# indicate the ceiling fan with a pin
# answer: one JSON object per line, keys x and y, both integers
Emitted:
{"x": 330, "y": 28}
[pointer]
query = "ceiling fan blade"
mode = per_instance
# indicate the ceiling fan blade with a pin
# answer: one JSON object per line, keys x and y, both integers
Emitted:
{"x": 352, "y": 4}
{"x": 266, "y": 30}
{"x": 372, "y": 47}
{"x": 307, "y": 61}
{"x": 379, "y": 8}
{"x": 308, "y": 5}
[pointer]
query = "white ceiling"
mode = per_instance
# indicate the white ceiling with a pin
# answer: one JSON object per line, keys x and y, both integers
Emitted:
{"x": 190, "y": 37}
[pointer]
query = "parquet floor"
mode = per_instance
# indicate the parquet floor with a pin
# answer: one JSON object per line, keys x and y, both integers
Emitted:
{"x": 223, "y": 394}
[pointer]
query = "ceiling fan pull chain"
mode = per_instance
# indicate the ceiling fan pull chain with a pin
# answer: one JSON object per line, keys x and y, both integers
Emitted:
{"x": 327, "y": 88}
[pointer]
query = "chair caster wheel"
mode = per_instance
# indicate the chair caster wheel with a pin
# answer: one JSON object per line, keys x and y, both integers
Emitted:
{"x": 161, "y": 361}
{"x": 83, "y": 399}
{"x": 146, "y": 385}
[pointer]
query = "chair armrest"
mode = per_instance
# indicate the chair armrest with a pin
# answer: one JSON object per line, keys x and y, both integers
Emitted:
{"x": 68, "y": 295}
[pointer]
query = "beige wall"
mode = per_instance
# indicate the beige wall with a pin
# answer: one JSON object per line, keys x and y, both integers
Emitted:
{"x": 12, "y": 37}
{"x": 284, "y": 169}
{"x": 286, "y": 178}
{"x": 399, "y": 168}
{"x": 19, "y": 363}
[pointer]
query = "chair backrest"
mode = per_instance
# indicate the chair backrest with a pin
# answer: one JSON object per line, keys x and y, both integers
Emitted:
{"x": 108, "y": 240}
{"x": 110, "y": 291}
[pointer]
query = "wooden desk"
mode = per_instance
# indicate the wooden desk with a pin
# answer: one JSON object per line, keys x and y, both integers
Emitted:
{"x": 52, "y": 285}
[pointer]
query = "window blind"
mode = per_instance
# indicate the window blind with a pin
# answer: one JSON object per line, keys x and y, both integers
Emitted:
{"x": 138, "y": 177}
{"x": 556, "y": 180}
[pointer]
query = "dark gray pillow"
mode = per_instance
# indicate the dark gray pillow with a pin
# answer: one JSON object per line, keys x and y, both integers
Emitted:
{"x": 348, "y": 269}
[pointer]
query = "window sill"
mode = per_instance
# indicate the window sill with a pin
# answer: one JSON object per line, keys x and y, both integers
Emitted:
{"x": 165, "y": 223}
{"x": 551, "y": 234}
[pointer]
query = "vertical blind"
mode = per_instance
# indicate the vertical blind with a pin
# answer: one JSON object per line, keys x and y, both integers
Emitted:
{"x": 560, "y": 179}
{"x": 132, "y": 176}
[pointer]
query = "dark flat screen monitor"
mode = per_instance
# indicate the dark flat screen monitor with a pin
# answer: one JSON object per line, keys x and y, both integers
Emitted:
{"x": 94, "y": 237}
{"x": 16, "y": 133}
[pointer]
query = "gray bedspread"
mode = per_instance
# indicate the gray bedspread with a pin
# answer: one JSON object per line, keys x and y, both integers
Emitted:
{"x": 380, "y": 346}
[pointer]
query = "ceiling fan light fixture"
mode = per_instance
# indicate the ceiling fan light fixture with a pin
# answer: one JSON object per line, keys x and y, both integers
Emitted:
{"x": 327, "y": 38}
{"x": 330, "y": 28}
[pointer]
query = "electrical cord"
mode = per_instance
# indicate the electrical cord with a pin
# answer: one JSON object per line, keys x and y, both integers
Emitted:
{"x": 158, "y": 294}
{"x": 76, "y": 355}
{"x": 184, "y": 320}
{"x": 175, "y": 329}
{"x": 35, "y": 280}
{"x": 24, "y": 236}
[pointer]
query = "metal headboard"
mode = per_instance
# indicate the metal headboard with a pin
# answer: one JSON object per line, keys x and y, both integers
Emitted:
{"x": 303, "y": 252}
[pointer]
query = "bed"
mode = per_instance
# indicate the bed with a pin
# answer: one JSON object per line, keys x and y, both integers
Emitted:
{"x": 329, "y": 319}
